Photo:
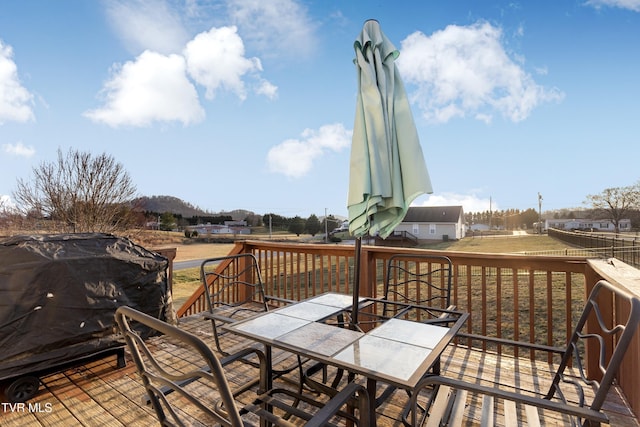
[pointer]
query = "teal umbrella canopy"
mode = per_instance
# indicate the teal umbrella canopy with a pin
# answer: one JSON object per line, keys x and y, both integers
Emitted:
{"x": 387, "y": 168}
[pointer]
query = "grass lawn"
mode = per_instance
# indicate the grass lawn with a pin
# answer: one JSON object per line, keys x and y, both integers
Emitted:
{"x": 185, "y": 282}
{"x": 507, "y": 244}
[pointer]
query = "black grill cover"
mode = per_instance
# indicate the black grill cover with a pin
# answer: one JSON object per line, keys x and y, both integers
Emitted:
{"x": 59, "y": 293}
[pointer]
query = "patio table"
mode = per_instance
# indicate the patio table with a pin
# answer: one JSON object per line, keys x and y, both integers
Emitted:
{"x": 398, "y": 352}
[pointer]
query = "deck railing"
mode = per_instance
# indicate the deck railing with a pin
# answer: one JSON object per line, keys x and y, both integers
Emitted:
{"x": 519, "y": 297}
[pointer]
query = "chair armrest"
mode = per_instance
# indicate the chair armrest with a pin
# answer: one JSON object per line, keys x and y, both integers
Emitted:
{"x": 268, "y": 298}
{"x": 224, "y": 362}
{"x": 241, "y": 354}
{"x": 504, "y": 341}
{"x": 213, "y": 316}
{"x": 535, "y": 401}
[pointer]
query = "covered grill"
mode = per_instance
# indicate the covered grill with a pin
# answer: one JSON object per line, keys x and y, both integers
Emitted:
{"x": 58, "y": 296}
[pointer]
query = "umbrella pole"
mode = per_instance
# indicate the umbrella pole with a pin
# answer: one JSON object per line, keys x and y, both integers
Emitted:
{"x": 356, "y": 283}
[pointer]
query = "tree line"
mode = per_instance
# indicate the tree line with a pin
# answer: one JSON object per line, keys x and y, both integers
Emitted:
{"x": 510, "y": 219}
{"x": 614, "y": 204}
{"x": 298, "y": 225}
{"x": 82, "y": 192}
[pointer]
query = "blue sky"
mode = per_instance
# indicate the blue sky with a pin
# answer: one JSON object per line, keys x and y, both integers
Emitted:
{"x": 247, "y": 104}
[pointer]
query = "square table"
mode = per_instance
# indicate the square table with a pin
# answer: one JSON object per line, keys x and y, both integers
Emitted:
{"x": 398, "y": 352}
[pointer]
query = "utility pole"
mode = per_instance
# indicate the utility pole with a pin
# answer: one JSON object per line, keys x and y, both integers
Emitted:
{"x": 490, "y": 214}
{"x": 326, "y": 232}
{"x": 539, "y": 213}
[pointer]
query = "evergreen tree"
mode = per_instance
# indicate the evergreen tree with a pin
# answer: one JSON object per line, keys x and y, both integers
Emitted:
{"x": 313, "y": 225}
{"x": 296, "y": 226}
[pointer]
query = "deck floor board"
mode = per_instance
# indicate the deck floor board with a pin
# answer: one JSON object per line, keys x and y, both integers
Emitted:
{"x": 98, "y": 393}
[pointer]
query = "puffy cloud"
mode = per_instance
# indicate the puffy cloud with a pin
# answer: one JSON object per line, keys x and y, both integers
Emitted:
{"x": 462, "y": 71}
{"x": 18, "y": 149}
{"x": 633, "y": 5}
{"x": 469, "y": 202}
{"x": 147, "y": 25}
{"x": 154, "y": 87}
{"x": 295, "y": 157}
{"x": 215, "y": 59}
{"x": 15, "y": 100}
{"x": 267, "y": 89}
{"x": 278, "y": 26}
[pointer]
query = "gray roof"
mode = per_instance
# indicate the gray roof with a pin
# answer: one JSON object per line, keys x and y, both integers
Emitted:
{"x": 433, "y": 214}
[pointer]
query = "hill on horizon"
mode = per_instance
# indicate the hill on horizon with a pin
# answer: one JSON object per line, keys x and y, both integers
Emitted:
{"x": 177, "y": 206}
{"x": 174, "y": 205}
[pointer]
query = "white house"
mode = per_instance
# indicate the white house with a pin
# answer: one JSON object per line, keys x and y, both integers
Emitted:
{"x": 588, "y": 224}
{"x": 229, "y": 227}
{"x": 433, "y": 223}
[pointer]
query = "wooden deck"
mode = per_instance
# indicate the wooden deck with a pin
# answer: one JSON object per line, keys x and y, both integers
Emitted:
{"x": 100, "y": 394}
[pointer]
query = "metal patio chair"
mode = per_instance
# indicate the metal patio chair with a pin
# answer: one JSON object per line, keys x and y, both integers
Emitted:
{"x": 196, "y": 385}
{"x": 417, "y": 288}
{"x": 610, "y": 333}
{"x": 413, "y": 281}
{"x": 234, "y": 290}
{"x": 418, "y": 280}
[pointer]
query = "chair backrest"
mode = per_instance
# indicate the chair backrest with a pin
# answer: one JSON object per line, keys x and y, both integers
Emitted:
{"x": 610, "y": 331}
{"x": 233, "y": 281}
{"x": 419, "y": 279}
{"x": 163, "y": 375}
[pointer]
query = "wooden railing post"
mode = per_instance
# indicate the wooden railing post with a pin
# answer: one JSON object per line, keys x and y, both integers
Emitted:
{"x": 241, "y": 265}
{"x": 170, "y": 255}
{"x": 628, "y": 278}
{"x": 368, "y": 273}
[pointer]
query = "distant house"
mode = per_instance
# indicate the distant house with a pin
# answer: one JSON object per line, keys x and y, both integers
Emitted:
{"x": 229, "y": 227}
{"x": 479, "y": 227}
{"x": 433, "y": 223}
{"x": 588, "y": 224}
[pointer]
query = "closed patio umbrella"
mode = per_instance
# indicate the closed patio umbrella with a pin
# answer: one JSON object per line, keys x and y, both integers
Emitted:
{"x": 387, "y": 167}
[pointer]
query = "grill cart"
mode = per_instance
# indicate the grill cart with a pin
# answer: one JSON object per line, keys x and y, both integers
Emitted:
{"x": 58, "y": 296}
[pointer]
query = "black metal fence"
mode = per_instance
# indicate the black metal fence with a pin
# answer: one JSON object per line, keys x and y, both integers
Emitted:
{"x": 625, "y": 247}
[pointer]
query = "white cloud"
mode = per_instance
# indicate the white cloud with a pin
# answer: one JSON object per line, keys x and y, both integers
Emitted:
{"x": 6, "y": 203}
{"x": 267, "y": 89}
{"x": 15, "y": 100}
{"x": 18, "y": 149}
{"x": 469, "y": 202}
{"x": 215, "y": 60}
{"x": 295, "y": 157}
{"x": 633, "y": 5}
{"x": 154, "y": 87}
{"x": 275, "y": 27}
{"x": 462, "y": 71}
{"x": 147, "y": 25}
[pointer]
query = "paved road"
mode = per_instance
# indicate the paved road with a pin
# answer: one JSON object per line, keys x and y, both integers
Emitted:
{"x": 183, "y": 265}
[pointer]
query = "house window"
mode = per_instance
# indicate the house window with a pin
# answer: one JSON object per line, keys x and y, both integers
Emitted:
{"x": 432, "y": 229}
{"x": 416, "y": 229}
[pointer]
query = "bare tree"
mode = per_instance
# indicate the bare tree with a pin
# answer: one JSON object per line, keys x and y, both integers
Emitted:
{"x": 79, "y": 193}
{"x": 616, "y": 203}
